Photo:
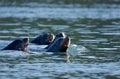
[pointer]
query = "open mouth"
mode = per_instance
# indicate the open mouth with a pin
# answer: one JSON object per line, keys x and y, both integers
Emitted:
{"x": 66, "y": 43}
{"x": 51, "y": 38}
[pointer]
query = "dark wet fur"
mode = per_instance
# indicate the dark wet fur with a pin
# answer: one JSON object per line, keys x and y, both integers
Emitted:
{"x": 15, "y": 45}
{"x": 57, "y": 46}
{"x": 41, "y": 39}
{"x": 18, "y": 44}
{"x": 61, "y": 34}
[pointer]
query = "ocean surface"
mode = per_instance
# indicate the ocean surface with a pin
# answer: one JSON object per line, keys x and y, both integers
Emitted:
{"x": 92, "y": 25}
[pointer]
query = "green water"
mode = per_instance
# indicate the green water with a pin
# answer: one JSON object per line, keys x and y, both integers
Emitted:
{"x": 92, "y": 25}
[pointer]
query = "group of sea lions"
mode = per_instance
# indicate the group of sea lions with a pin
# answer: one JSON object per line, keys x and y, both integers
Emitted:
{"x": 58, "y": 43}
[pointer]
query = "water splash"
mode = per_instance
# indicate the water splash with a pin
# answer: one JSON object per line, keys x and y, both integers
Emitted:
{"x": 76, "y": 49}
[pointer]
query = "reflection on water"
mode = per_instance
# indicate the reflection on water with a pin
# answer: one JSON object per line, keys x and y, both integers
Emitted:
{"x": 94, "y": 28}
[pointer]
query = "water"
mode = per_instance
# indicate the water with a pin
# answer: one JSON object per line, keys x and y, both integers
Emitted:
{"x": 94, "y": 29}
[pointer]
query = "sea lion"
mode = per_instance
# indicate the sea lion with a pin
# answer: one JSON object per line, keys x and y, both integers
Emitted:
{"x": 59, "y": 45}
{"x": 43, "y": 39}
{"x": 18, "y": 44}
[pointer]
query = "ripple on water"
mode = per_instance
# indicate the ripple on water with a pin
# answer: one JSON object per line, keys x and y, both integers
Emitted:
{"x": 116, "y": 34}
{"x": 94, "y": 40}
{"x": 61, "y": 13}
{"x": 100, "y": 62}
{"x": 59, "y": 27}
{"x": 9, "y": 24}
{"x": 13, "y": 54}
{"x": 110, "y": 49}
{"x": 52, "y": 70}
{"x": 86, "y": 31}
{"x": 109, "y": 30}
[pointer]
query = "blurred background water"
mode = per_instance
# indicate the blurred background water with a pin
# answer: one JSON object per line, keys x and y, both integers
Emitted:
{"x": 92, "y": 25}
